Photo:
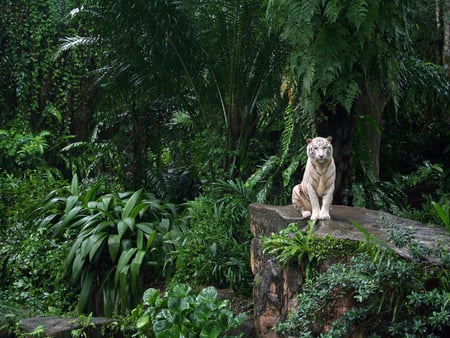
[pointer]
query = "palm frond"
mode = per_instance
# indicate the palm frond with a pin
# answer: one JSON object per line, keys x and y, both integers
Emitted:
{"x": 69, "y": 43}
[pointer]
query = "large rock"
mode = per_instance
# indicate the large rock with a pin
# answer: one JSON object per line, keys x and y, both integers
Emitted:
{"x": 275, "y": 289}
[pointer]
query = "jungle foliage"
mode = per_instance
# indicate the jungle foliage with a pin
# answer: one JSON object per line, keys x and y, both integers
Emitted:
{"x": 389, "y": 296}
{"x": 134, "y": 135}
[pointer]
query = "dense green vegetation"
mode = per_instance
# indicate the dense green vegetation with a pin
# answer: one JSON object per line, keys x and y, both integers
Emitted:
{"x": 134, "y": 134}
{"x": 388, "y": 295}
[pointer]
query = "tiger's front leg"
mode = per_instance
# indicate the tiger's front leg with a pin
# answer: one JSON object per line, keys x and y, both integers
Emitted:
{"x": 326, "y": 204}
{"x": 315, "y": 205}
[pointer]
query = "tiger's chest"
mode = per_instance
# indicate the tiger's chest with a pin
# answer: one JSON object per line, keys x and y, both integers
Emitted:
{"x": 321, "y": 186}
{"x": 323, "y": 178}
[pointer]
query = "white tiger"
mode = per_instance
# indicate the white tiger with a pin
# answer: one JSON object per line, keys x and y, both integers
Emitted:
{"x": 318, "y": 180}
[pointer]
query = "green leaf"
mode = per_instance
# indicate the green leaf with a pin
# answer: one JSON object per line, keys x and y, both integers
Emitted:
{"x": 131, "y": 203}
{"x": 109, "y": 299}
{"x": 74, "y": 186}
{"x": 96, "y": 244}
{"x": 210, "y": 330}
{"x": 86, "y": 289}
{"x": 164, "y": 225}
{"x": 121, "y": 228}
{"x": 113, "y": 246}
{"x": 289, "y": 171}
{"x": 130, "y": 222}
{"x": 146, "y": 227}
{"x": 84, "y": 248}
{"x": 91, "y": 193}
{"x": 443, "y": 212}
{"x": 181, "y": 290}
{"x": 47, "y": 220}
{"x": 73, "y": 251}
{"x": 135, "y": 268}
{"x": 150, "y": 296}
{"x": 207, "y": 295}
{"x": 202, "y": 312}
{"x": 123, "y": 262}
{"x": 124, "y": 287}
{"x": 77, "y": 266}
{"x": 139, "y": 209}
{"x": 140, "y": 240}
{"x": 163, "y": 328}
{"x": 67, "y": 218}
{"x": 150, "y": 240}
{"x": 85, "y": 222}
{"x": 142, "y": 322}
{"x": 71, "y": 202}
{"x": 178, "y": 304}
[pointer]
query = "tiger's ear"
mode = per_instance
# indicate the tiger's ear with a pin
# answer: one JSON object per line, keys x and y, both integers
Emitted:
{"x": 308, "y": 140}
{"x": 329, "y": 138}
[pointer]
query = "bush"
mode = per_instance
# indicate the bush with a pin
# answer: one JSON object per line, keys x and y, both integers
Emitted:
{"x": 117, "y": 242}
{"x": 22, "y": 193}
{"x": 181, "y": 313}
{"x": 215, "y": 248}
{"x": 30, "y": 266}
{"x": 30, "y": 259}
{"x": 292, "y": 245}
{"x": 385, "y": 294}
{"x": 409, "y": 196}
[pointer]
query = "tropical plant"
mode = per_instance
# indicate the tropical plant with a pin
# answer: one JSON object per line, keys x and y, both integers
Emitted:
{"x": 117, "y": 242}
{"x": 28, "y": 276}
{"x": 181, "y": 313}
{"x": 349, "y": 82}
{"x": 443, "y": 210}
{"x": 388, "y": 298}
{"x": 38, "y": 92}
{"x": 22, "y": 150}
{"x": 384, "y": 294}
{"x": 225, "y": 89}
{"x": 215, "y": 246}
{"x": 292, "y": 245}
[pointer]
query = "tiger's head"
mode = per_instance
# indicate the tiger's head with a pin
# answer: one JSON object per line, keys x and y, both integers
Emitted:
{"x": 320, "y": 149}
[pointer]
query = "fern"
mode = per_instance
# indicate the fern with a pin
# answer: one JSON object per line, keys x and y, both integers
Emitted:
{"x": 289, "y": 172}
{"x": 357, "y": 13}
{"x": 288, "y": 132}
{"x": 260, "y": 174}
{"x": 332, "y": 11}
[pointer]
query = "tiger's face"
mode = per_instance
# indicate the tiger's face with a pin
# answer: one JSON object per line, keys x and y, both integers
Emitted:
{"x": 320, "y": 148}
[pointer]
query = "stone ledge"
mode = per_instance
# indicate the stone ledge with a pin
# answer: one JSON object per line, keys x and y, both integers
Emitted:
{"x": 58, "y": 327}
{"x": 267, "y": 219}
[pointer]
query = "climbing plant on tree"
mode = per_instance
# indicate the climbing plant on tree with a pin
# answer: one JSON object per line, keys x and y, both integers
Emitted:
{"x": 39, "y": 92}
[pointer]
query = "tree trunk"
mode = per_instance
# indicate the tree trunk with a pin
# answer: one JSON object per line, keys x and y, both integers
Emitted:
{"x": 437, "y": 12}
{"x": 446, "y": 48}
{"x": 82, "y": 117}
{"x": 370, "y": 106}
{"x": 340, "y": 125}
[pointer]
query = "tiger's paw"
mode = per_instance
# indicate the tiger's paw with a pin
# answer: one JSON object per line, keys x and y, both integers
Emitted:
{"x": 306, "y": 214}
{"x": 324, "y": 215}
{"x": 314, "y": 216}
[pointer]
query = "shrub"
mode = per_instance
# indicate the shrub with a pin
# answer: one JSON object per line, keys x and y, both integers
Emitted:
{"x": 181, "y": 313}
{"x": 291, "y": 244}
{"x": 410, "y": 196}
{"x": 117, "y": 241}
{"x": 30, "y": 264}
{"x": 215, "y": 248}
{"x": 386, "y": 295}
